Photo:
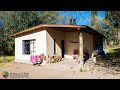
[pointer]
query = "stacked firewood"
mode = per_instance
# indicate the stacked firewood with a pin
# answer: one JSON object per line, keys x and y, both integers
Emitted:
{"x": 54, "y": 59}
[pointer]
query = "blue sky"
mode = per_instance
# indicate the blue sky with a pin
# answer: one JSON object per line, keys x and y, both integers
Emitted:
{"x": 83, "y": 17}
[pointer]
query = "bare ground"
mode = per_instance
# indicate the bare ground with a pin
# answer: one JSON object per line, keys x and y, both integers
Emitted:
{"x": 67, "y": 69}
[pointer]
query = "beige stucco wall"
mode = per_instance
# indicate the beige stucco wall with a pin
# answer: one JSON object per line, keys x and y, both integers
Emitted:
{"x": 88, "y": 43}
{"x": 60, "y": 35}
{"x": 51, "y": 35}
{"x": 69, "y": 46}
{"x": 74, "y": 36}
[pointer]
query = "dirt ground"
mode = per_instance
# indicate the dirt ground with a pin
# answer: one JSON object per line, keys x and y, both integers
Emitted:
{"x": 67, "y": 69}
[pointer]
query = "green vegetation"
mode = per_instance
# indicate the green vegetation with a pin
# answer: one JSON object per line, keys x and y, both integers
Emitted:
{"x": 15, "y": 21}
{"x": 12, "y": 22}
{"x": 114, "y": 53}
{"x": 82, "y": 70}
{"x": 108, "y": 26}
{"x": 6, "y": 59}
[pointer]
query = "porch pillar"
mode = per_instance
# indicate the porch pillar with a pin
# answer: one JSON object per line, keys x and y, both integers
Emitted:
{"x": 81, "y": 49}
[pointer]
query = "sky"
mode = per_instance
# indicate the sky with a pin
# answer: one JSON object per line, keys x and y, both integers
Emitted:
{"x": 83, "y": 17}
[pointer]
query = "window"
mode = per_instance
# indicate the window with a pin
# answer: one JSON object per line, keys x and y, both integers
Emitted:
{"x": 29, "y": 46}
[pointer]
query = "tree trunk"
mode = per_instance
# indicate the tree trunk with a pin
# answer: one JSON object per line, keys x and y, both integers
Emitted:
{"x": 119, "y": 36}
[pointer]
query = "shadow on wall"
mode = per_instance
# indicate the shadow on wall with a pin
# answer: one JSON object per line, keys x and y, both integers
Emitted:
{"x": 70, "y": 41}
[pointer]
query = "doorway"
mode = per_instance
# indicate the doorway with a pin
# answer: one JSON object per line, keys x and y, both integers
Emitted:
{"x": 62, "y": 48}
{"x": 54, "y": 46}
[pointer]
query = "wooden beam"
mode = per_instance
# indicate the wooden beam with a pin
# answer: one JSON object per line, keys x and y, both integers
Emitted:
{"x": 81, "y": 49}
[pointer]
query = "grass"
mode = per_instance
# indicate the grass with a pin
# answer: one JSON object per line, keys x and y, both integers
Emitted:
{"x": 1, "y": 64}
{"x": 82, "y": 70}
{"x": 6, "y": 59}
{"x": 113, "y": 52}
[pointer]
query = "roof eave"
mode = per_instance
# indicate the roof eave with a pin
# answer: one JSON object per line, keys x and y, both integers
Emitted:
{"x": 47, "y": 26}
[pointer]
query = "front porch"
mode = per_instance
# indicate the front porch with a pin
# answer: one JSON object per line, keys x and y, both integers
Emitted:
{"x": 63, "y": 42}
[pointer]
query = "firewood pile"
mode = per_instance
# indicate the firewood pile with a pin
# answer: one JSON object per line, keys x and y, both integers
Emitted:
{"x": 54, "y": 59}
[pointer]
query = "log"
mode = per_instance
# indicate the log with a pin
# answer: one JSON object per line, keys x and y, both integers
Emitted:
{"x": 54, "y": 59}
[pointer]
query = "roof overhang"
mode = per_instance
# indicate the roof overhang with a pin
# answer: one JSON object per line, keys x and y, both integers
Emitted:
{"x": 42, "y": 26}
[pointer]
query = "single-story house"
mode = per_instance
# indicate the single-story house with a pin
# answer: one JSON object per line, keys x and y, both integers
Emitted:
{"x": 57, "y": 39}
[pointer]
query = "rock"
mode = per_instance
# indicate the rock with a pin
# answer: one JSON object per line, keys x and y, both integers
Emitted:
{"x": 89, "y": 64}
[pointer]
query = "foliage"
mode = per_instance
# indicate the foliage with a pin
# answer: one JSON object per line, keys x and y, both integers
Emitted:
{"x": 15, "y": 21}
{"x": 113, "y": 28}
{"x": 98, "y": 24}
{"x": 108, "y": 26}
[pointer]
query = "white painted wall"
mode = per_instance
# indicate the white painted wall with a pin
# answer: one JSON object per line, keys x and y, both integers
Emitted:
{"x": 40, "y": 45}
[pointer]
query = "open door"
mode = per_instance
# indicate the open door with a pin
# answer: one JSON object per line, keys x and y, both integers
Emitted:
{"x": 54, "y": 46}
{"x": 62, "y": 48}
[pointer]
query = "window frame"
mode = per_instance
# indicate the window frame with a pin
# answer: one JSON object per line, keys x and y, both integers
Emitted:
{"x": 28, "y": 42}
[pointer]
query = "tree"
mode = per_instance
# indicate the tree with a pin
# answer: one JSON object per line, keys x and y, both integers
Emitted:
{"x": 94, "y": 18}
{"x": 72, "y": 21}
{"x": 114, "y": 19}
{"x": 15, "y": 21}
{"x": 97, "y": 24}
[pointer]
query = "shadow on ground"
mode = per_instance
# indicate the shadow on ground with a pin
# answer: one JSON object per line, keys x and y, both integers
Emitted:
{"x": 112, "y": 59}
{"x": 111, "y": 62}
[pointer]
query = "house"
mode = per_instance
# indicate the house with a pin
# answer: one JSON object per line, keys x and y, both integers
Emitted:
{"x": 53, "y": 39}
